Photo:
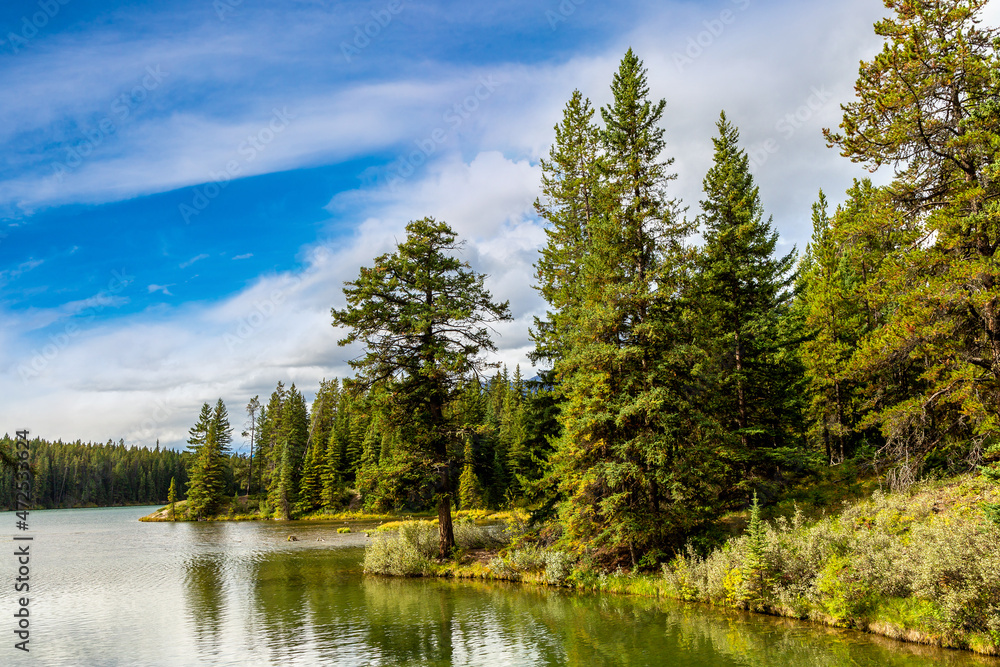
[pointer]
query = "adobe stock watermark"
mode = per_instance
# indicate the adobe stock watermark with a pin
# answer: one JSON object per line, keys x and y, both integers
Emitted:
{"x": 714, "y": 29}
{"x": 248, "y": 151}
{"x": 265, "y": 309}
{"x": 24, "y": 490}
{"x": 43, "y": 357}
{"x": 406, "y": 165}
{"x": 33, "y": 24}
{"x": 562, "y": 13}
{"x": 146, "y": 430}
{"x": 225, "y": 7}
{"x": 364, "y": 34}
{"x": 789, "y": 124}
{"x": 119, "y": 110}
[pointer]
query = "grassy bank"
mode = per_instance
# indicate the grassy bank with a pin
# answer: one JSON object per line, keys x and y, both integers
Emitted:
{"x": 245, "y": 510}
{"x": 923, "y": 566}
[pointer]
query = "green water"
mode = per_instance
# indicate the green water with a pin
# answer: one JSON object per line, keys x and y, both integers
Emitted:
{"x": 108, "y": 590}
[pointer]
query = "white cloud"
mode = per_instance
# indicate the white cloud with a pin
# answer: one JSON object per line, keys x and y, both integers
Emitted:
{"x": 143, "y": 376}
{"x": 196, "y": 258}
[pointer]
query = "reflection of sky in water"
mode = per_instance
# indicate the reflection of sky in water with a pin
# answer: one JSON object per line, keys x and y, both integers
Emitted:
{"x": 108, "y": 590}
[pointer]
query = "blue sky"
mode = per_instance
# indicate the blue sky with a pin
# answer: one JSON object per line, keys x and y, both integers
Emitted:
{"x": 185, "y": 186}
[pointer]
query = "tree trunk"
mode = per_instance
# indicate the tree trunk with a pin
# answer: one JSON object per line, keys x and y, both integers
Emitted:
{"x": 740, "y": 397}
{"x": 446, "y": 534}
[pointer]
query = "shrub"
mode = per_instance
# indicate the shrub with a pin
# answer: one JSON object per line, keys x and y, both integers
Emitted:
{"x": 390, "y": 554}
{"x": 957, "y": 567}
{"x": 470, "y": 536}
{"x": 530, "y": 558}
{"x": 421, "y": 535}
{"x": 558, "y": 565}
{"x": 343, "y": 529}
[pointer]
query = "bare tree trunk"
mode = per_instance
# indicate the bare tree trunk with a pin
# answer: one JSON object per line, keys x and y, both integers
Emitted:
{"x": 446, "y": 534}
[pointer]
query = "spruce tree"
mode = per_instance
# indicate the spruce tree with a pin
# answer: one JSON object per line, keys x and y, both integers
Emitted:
{"x": 470, "y": 492}
{"x": 291, "y": 440}
{"x": 569, "y": 204}
{"x": 311, "y": 487}
{"x": 834, "y": 280}
{"x": 270, "y": 444}
{"x": 614, "y": 369}
{"x": 743, "y": 296}
{"x": 172, "y": 497}
{"x": 321, "y": 434}
{"x": 198, "y": 433}
{"x": 206, "y": 485}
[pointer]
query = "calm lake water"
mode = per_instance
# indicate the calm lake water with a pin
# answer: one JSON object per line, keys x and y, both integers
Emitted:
{"x": 109, "y": 590}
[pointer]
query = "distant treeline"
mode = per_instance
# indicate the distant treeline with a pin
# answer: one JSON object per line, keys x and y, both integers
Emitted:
{"x": 87, "y": 474}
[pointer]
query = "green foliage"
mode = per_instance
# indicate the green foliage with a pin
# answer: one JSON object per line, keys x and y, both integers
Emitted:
{"x": 834, "y": 274}
{"x": 895, "y": 558}
{"x": 210, "y": 439}
{"x": 422, "y": 316}
{"x": 927, "y": 104}
{"x": 172, "y": 497}
{"x": 288, "y": 433}
{"x": 406, "y": 547}
{"x": 746, "y": 326}
{"x": 470, "y": 493}
{"x": 80, "y": 474}
{"x": 757, "y": 565}
{"x": 391, "y": 554}
{"x": 612, "y": 272}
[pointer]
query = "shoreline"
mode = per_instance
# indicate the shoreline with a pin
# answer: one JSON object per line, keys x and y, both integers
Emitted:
{"x": 656, "y": 587}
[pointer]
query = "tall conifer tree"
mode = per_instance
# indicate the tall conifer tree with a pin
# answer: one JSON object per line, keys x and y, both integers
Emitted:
{"x": 422, "y": 315}
{"x": 743, "y": 294}
{"x": 929, "y": 105}
{"x": 610, "y": 464}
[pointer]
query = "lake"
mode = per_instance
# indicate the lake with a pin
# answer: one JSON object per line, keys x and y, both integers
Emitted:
{"x": 109, "y": 590}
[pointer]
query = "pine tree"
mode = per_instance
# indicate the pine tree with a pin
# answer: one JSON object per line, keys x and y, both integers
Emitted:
{"x": 422, "y": 315}
{"x": 252, "y": 408}
{"x": 743, "y": 295}
{"x": 929, "y": 104}
{"x": 834, "y": 279}
{"x": 172, "y": 497}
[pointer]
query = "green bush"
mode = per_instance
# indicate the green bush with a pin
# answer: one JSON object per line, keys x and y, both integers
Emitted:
{"x": 530, "y": 558}
{"x": 470, "y": 536}
{"x": 558, "y": 565}
{"x": 388, "y": 554}
{"x": 895, "y": 558}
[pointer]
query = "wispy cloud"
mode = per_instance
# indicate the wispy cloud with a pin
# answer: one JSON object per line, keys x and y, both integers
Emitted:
{"x": 22, "y": 268}
{"x": 130, "y": 364}
{"x": 196, "y": 258}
